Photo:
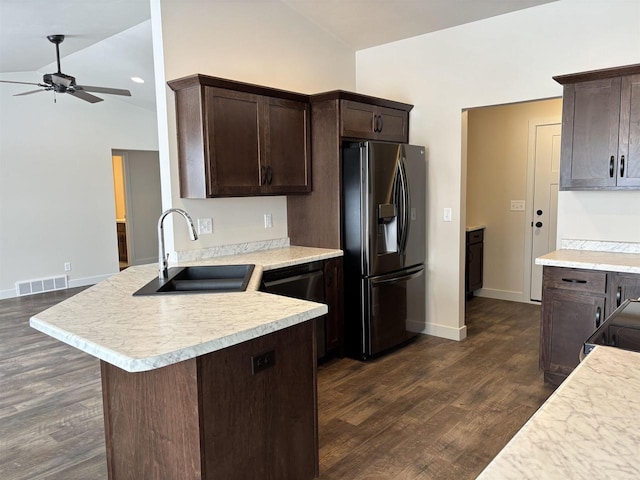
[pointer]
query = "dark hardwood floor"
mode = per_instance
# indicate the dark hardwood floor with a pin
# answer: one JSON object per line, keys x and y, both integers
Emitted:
{"x": 435, "y": 409}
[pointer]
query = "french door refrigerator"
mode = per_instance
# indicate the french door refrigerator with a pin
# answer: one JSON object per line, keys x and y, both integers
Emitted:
{"x": 384, "y": 243}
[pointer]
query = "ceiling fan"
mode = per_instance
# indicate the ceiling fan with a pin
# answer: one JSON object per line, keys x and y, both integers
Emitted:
{"x": 61, "y": 83}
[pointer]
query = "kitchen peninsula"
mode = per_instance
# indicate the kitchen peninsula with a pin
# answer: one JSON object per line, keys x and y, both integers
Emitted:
{"x": 201, "y": 386}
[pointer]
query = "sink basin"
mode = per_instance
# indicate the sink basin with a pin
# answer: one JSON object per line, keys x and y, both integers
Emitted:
{"x": 200, "y": 279}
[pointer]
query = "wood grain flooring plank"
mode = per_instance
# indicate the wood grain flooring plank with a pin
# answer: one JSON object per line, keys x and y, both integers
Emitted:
{"x": 435, "y": 409}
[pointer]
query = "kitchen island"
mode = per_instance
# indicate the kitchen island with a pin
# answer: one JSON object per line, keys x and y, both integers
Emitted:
{"x": 201, "y": 386}
{"x": 586, "y": 429}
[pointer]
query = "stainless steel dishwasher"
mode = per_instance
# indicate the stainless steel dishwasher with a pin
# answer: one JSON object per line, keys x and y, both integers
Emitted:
{"x": 306, "y": 282}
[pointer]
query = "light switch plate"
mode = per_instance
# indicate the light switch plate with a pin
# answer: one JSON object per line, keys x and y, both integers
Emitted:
{"x": 517, "y": 205}
{"x": 268, "y": 220}
{"x": 447, "y": 215}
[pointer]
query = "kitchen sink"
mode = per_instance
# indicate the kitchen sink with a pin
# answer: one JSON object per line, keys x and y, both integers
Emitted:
{"x": 200, "y": 279}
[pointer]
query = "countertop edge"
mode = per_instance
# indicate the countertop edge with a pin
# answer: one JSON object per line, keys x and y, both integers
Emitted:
{"x": 274, "y": 258}
{"x": 134, "y": 365}
{"x": 603, "y": 261}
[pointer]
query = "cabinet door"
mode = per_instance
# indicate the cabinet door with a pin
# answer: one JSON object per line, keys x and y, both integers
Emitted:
{"x": 393, "y": 125}
{"x": 590, "y": 121}
{"x": 358, "y": 120}
{"x": 474, "y": 267}
{"x": 623, "y": 286}
{"x": 285, "y": 167}
{"x": 232, "y": 125}
{"x": 334, "y": 298}
{"x": 629, "y": 152}
{"x": 568, "y": 319}
{"x": 260, "y": 423}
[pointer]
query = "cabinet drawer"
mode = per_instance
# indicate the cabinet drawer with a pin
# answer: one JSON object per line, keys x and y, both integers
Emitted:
{"x": 475, "y": 236}
{"x": 575, "y": 280}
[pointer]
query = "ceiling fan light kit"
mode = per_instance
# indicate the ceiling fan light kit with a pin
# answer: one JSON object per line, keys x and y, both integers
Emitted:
{"x": 62, "y": 83}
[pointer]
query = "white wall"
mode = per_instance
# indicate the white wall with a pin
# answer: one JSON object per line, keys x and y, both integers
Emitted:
{"x": 56, "y": 182}
{"x": 503, "y": 59}
{"x": 265, "y": 43}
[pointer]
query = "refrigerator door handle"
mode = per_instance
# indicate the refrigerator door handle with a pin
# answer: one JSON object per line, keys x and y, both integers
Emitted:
{"x": 395, "y": 279}
{"x": 406, "y": 205}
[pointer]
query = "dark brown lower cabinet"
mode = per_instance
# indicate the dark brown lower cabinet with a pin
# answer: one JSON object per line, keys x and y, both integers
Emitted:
{"x": 623, "y": 286}
{"x": 334, "y": 296}
{"x": 218, "y": 416}
{"x": 474, "y": 262}
{"x": 573, "y": 305}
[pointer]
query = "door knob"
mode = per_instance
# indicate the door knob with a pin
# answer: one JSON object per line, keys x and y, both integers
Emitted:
{"x": 538, "y": 224}
{"x": 539, "y": 212}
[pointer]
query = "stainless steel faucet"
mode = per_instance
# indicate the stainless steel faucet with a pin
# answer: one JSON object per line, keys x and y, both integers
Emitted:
{"x": 162, "y": 259}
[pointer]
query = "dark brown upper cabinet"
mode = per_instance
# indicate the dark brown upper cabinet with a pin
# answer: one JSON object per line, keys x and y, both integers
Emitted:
{"x": 372, "y": 122}
{"x": 239, "y": 139}
{"x": 601, "y": 129}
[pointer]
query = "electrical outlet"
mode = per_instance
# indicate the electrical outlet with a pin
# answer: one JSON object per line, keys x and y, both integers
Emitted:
{"x": 205, "y": 226}
{"x": 517, "y": 205}
{"x": 268, "y": 220}
{"x": 262, "y": 362}
{"x": 447, "y": 215}
{"x": 67, "y": 266}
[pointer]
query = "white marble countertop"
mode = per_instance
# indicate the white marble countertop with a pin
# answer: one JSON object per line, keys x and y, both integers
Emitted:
{"x": 588, "y": 428}
{"x": 147, "y": 332}
{"x": 473, "y": 228}
{"x": 592, "y": 260}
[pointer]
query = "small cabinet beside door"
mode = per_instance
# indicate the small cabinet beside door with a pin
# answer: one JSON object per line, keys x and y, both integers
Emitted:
{"x": 474, "y": 263}
{"x": 237, "y": 139}
{"x": 601, "y": 129}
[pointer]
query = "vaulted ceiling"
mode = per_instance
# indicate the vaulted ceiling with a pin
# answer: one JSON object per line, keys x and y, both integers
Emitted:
{"x": 109, "y": 41}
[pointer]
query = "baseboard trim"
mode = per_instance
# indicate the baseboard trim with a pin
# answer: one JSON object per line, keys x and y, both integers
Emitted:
{"x": 442, "y": 331}
{"x": 508, "y": 295}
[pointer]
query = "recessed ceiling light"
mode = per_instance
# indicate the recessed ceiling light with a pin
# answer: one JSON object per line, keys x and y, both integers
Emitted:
{"x": 137, "y": 79}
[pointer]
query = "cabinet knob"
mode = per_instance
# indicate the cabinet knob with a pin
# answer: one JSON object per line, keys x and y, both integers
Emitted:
{"x": 622, "y": 166}
{"x": 612, "y": 162}
{"x": 538, "y": 224}
{"x": 618, "y": 297}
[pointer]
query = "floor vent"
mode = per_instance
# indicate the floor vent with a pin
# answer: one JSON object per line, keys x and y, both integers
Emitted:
{"x": 30, "y": 287}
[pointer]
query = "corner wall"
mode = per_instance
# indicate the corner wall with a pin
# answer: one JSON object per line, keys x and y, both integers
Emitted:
{"x": 504, "y": 59}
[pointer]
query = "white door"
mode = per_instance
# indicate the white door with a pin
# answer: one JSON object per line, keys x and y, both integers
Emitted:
{"x": 545, "y": 200}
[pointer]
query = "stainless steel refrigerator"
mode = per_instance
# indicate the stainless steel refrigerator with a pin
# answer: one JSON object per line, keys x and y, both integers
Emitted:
{"x": 384, "y": 201}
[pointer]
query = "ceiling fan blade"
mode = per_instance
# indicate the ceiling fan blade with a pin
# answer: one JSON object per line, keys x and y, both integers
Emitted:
{"x": 30, "y": 92}
{"x": 61, "y": 80}
{"x": 110, "y": 91}
{"x": 24, "y": 83}
{"x": 87, "y": 97}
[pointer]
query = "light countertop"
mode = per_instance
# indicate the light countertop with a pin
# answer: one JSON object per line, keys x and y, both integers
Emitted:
{"x": 586, "y": 429}
{"x": 147, "y": 332}
{"x": 592, "y": 260}
{"x": 473, "y": 228}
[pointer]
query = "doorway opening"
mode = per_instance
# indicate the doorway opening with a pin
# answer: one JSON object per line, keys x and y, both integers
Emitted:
{"x": 511, "y": 153}
{"x": 136, "y": 184}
